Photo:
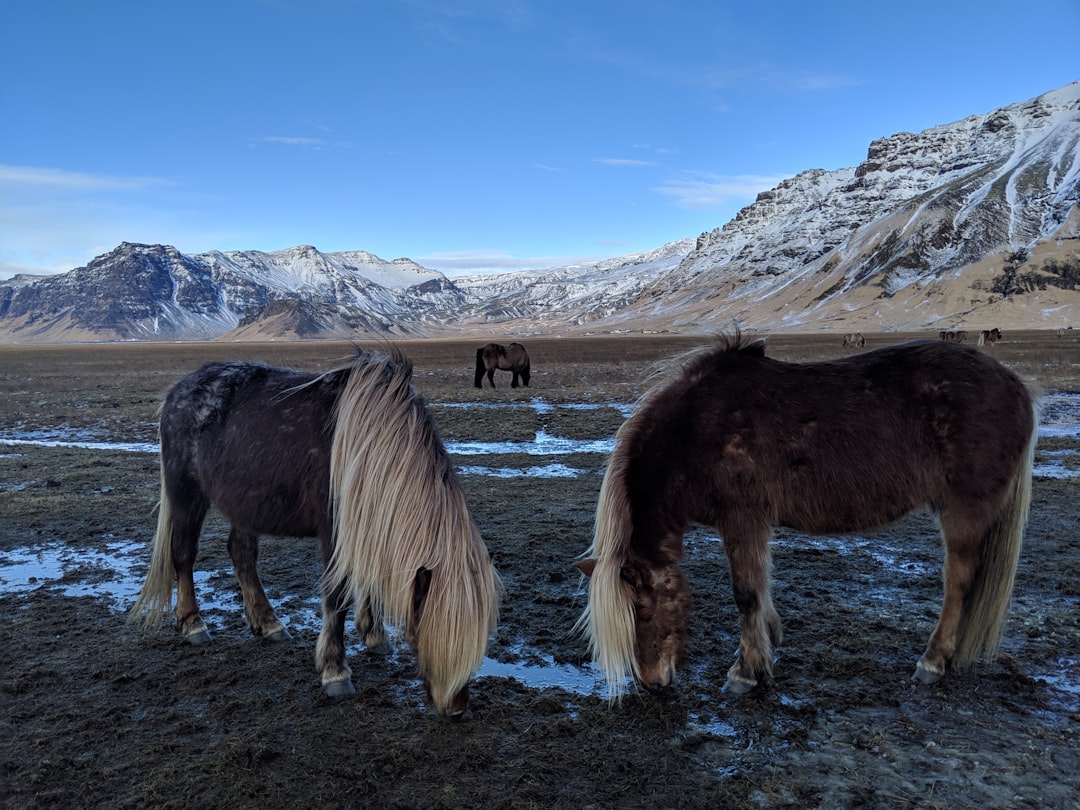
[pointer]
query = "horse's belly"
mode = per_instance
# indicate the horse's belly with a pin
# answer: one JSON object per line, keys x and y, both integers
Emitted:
{"x": 272, "y": 493}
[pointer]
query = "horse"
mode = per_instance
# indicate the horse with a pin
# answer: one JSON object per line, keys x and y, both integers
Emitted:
{"x": 504, "y": 358}
{"x": 741, "y": 442}
{"x": 854, "y": 340}
{"x": 956, "y": 337}
{"x": 351, "y": 457}
{"x": 990, "y": 336}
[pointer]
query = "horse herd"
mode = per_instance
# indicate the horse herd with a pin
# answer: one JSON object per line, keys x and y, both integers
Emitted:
{"x": 855, "y": 340}
{"x": 729, "y": 438}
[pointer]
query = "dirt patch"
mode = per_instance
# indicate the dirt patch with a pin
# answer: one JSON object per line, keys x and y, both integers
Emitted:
{"x": 93, "y": 713}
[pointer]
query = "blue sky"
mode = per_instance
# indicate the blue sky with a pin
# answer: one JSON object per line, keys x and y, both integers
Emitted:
{"x": 468, "y": 135}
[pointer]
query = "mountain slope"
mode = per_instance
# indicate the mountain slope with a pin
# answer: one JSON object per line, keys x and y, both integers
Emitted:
{"x": 960, "y": 224}
{"x": 971, "y": 224}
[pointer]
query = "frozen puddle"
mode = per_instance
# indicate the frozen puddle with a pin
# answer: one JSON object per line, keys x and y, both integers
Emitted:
{"x": 115, "y": 574}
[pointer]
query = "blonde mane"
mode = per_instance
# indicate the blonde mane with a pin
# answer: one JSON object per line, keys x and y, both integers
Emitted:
{"x": 398, "y": 507}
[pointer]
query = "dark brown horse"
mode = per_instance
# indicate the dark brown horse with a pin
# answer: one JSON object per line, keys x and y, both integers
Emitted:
{"x": 351, "y": 457}
{"x": 494, "y": 356}
{"x": 990, "y": 336}
{"x": 742, "y": 442}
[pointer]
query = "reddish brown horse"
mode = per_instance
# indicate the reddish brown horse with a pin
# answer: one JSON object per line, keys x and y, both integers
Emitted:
{"x": 742, "y": 442}
{"x": 351, "y": 457}
{"x": 495, "y": 356}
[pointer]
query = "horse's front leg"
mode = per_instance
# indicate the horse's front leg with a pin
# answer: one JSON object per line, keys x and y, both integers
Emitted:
{"x": 750, "y": 561}
{"x": 330, "y": 651}
{"x": 244, "y": 550}
{"x": 369, "y": 622}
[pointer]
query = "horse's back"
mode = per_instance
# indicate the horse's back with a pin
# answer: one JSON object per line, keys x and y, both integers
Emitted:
{"x": 834, "y": 445}
{"x": 255, "y": 438}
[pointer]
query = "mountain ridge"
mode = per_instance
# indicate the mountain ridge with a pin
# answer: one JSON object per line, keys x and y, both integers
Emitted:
{"x": 963, "y": 225}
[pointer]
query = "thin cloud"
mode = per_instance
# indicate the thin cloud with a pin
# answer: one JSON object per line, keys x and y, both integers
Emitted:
{"x": 310, "y": 143}
{"x": 623, "y": 162}
{"x": 486, "y": 262}
{"x": 61, "y": 180}
{"x": 716, "y": 191}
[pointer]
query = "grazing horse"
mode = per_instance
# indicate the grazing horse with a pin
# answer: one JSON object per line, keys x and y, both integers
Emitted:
{"x": 504, "y": 358}
{"x": 351, "y": 457}
{"x": 990, "y": 336}
{"x": 954, "y": 337}
{"x": 742, "y": 443}
{"x": 854, "y": 340}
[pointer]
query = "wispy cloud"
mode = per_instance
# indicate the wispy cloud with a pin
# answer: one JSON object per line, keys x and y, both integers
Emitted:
{"x": 32, "y": 177}
{"x": 705, "y": 191}
{"x": 487, "y": 262}
{"x": 309, "y": 143}
{"x": 623, "y": 162}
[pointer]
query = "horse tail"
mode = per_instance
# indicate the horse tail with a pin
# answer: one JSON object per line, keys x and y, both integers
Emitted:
{"x": 980, "y": 627}
{"x": 480, "y": 368}
{"x": 155, "y": 597}
{"x": 608, "y": 621}
{"x": 403, "y": 536}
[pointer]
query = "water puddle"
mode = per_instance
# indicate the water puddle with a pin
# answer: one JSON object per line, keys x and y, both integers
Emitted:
{"x": 115, "y": 573}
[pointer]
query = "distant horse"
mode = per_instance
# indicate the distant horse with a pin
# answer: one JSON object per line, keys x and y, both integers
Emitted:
{"x": 742, "y": 442}
{"x": 854, "y": 340}
{"x": 504, "y": 358}
{"x": 351, "y": 457}
{"x": 954, "y": 337}
{"x": 990, "y": 336}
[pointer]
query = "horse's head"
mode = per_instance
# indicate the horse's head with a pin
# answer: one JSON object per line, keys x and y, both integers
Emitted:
{"x": 449, "y": 652}
{"x": 660, "y": 595}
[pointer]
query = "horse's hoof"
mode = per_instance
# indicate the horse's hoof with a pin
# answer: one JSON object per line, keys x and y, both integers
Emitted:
{"x": 280, "y": 634}
{"x": 926, "y": 675}
{"x": 339, "y": 689}
{"x": 738, "y": 684}
{"x": 379, "y": 648}
{"x": 198, "y": 638}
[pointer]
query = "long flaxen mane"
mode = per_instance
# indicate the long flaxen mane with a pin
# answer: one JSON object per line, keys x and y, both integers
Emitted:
{"x": 608, "y": 622}
{"x": 398, "y": 508}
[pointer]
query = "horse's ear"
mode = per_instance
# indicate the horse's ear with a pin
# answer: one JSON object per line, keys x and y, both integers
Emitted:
{"x": 586, "y": 566}
{"x": 755, "y": 349}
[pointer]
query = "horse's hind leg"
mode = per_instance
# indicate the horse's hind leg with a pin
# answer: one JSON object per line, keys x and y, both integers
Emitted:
{"x": 244, "y": 550}
{"x": 187, "y": 515}
{"x": 749, "y": 558}
{"x": 961, "y": 563}
{"x": 514, "y": 382}
{"x": 369, "y": 623}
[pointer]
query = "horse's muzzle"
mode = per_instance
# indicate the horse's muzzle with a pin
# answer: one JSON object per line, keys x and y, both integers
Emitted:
{"x": 453, "y": 707}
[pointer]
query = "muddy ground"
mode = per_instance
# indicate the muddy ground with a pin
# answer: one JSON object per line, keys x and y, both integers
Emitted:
{"x": 96, "y": 714}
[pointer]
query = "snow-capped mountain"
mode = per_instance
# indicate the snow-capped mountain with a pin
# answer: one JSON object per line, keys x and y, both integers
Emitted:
{"x": 970, "y": 224}
{"x": 960, "y": 224}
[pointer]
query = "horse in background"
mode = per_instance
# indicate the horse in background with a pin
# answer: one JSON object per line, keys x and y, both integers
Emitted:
{"x": 742, "y": 443}
{"x": 495, "y": 356}
{"x": 990, "y": 336}
{"x": 954, "y": 337}
{"x": 351, "y": 457}
{"x": 854, "y": 340}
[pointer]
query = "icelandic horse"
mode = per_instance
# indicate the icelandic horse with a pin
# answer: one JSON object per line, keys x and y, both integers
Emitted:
{"x": 494, "y": 356}
{"x": 351, "y": 457}
{"x": 741, "y": 442}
